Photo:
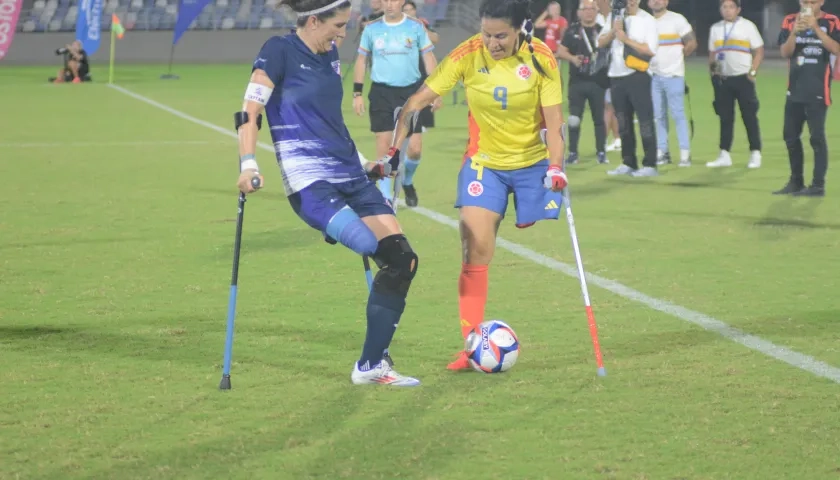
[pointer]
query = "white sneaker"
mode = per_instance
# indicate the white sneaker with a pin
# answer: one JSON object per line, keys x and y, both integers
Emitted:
{"x": 621, "y": 170}
{"x": 723, "y": 160}
{"x": 381, "y": 374}
{"x": 755, "y": 159}
{"x": 616, "y": 145}
{"x": 645, "y": 172}
{"x": 685, "y": 158}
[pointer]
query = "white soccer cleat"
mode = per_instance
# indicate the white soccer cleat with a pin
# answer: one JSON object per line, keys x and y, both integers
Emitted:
{"x": 612, "y": 147}
{"x": 755, "y": 159}
{"x": 381, "y": 374}
{"x": 723, "y": 160}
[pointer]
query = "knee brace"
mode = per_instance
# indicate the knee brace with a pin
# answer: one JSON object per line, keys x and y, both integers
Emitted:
{"x": 397, "y": 264}
{"x": 574, "y": 121}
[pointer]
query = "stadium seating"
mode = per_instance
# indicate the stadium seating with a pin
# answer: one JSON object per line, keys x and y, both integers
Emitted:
{"x": 60, "y": 15}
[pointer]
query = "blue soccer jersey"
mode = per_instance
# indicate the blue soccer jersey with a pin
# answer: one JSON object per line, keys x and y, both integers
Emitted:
{"x": 395, "y": 50}
{"x": 310, "y": 138}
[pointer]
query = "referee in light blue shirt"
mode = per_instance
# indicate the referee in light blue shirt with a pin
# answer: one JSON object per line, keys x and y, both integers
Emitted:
{"x": 395, "y": 43}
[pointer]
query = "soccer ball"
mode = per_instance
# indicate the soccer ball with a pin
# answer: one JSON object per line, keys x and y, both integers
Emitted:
{"x": 492, "y": 347}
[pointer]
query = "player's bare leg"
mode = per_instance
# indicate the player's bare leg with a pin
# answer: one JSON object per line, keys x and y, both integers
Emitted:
{"x": 478, "y": 242}
{"x": 412, "y": 161}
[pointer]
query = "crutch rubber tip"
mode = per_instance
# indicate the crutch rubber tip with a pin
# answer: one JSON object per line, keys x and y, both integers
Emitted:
{"x": 225, "y": 383}
{"x": 602, "y": 372}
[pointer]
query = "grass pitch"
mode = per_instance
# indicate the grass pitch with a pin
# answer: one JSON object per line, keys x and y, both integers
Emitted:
{"x": 115, "y": 249}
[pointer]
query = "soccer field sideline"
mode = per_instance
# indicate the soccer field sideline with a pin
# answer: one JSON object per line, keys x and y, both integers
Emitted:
{"x": 799, "y": 360}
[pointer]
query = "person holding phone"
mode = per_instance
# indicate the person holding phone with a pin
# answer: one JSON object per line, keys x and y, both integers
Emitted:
{"x": 808, "y": 39}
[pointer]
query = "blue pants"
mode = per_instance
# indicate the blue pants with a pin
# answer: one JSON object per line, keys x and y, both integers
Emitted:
{"x": 318, "y": 203}
{"x": 669, "y": 95}
{"x": 488, "y": 188}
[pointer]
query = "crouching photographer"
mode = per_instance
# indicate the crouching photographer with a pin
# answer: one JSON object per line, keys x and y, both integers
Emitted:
{"x": 76, "y": 67}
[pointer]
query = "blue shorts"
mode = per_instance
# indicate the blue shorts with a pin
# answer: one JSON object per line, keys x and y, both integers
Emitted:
{"x": 485, "y": 187}
{"x": 318, "y": 203}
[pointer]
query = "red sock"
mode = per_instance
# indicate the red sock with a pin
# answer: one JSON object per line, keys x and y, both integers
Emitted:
{"x": 472, "y": 296}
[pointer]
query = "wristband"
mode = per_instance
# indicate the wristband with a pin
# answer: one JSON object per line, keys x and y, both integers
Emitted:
{"x": 357, "y": 87}
{"x": 248, "y": 162}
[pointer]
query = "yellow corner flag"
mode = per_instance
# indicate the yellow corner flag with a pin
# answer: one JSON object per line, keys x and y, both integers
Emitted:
{"x": 117, "y": 31}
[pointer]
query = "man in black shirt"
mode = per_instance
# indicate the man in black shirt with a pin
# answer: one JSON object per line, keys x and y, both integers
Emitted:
{"x": 588, "y": 79}
{"x": 808, "y": 39}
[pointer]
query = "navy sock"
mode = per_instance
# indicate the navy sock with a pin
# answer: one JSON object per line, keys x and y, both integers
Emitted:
{"x": 383, "y": 315}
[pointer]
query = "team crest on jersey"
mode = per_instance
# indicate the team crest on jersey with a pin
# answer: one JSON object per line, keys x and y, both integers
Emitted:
{"x": 523, "y": 72}
{"x": 408, "y": 43}
{"x": 336, "y": 67}
{"x": 475, "y": 188}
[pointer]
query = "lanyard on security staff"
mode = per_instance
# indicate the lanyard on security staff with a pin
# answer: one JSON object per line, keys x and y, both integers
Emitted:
{"x": 586, "y": 39}
{"x": 722, "y": 55}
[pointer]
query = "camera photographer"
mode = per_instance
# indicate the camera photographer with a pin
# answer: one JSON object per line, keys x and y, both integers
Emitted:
{"x": 808, "y": 39}
{"x": 736, "y": 50}
{"x": 76, "y": 66}
{"x": 588, "y": 80}
{"x": 631, "y": 34}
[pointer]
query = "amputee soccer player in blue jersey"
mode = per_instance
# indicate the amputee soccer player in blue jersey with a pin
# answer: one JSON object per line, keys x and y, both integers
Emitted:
{"x": 394, "y": 43}
{"x": 296, "y": 79}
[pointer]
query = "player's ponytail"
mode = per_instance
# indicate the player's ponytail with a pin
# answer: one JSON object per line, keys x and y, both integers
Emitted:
{"x": 321, "y": 9}
{"x": 518, "y": 14}
{"x": 528, "y": 36}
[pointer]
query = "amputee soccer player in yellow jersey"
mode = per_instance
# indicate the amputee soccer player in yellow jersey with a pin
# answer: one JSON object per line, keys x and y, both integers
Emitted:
{"x": 513, "y": 91}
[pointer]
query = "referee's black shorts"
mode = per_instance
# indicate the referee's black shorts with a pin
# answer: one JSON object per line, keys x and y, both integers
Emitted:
{"x": 384, "y": 100}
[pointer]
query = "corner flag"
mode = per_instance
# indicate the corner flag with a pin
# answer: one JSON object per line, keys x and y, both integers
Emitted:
{"x": 117, "y": 31}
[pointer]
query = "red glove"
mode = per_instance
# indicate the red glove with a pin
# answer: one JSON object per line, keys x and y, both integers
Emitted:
{"x": 555, "y": 179}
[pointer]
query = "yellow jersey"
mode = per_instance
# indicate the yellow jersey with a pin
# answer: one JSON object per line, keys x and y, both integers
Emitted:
{"x": 505, "y": 100}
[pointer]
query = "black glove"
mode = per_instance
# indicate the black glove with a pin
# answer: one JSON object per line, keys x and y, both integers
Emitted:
{"x": 383, "y": 167}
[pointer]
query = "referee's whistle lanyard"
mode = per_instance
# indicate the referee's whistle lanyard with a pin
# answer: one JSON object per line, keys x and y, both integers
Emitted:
{"x": 721, "y": 54}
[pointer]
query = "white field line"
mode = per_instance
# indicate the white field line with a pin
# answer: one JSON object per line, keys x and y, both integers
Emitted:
{"x": 799, "y": 360}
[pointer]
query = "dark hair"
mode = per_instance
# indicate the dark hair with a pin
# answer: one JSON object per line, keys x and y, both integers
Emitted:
{"x": 518, "y": 14}
{"x": 736, "y": 2}
{"x": 410, "y": 2}
{"x": 300, "y": 6}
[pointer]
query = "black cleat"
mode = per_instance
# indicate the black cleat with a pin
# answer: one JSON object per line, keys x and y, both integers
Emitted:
{"x": 812, "y": 191}
{"x": 791, "y": 188}
{"x": 572, "y": 158}
{"x": 410, "y": 195}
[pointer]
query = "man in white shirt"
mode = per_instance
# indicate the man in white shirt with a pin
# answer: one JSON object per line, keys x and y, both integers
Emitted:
{"x": 609, "y": 113}
{"x": 676, "y": 41}
{"x": 736, "y": 50}
{"x": 633, "y": 42}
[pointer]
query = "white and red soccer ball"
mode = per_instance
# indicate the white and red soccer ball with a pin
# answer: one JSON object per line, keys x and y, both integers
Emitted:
{"x": 493, "y": 347}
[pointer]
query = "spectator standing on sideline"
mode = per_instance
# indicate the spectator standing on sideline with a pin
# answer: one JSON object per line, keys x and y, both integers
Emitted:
{"x": 554, "y": 23}
{"x": 376, "y": 11}
{"x": 610, "y": 121}
{"x": 587, "y": 78}
{"x": 808, "y": 39}
{"x": 633, "y": 41}
{"x": 736, "y": 50}
{"x": 676, "y": 41}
